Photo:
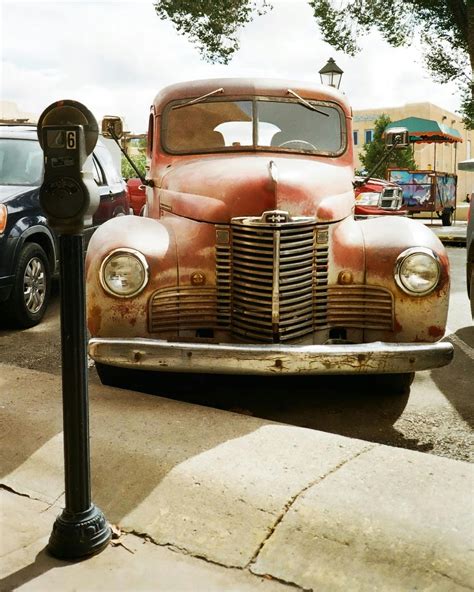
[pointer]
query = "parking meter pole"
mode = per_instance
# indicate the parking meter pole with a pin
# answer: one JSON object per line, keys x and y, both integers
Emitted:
{"x": 81, "y": 529}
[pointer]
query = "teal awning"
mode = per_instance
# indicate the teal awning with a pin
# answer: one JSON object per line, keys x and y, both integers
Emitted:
{"x": 426, "y": 130}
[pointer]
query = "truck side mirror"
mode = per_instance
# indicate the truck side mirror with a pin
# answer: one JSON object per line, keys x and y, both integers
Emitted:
{"x": 67, "y": 133}
{"x": 112, "y": 127}
{"x": 397, "y": 137}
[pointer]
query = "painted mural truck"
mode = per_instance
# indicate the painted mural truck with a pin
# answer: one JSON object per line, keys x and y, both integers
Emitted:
{"x": 248, "y": 258}
{"x": 427, "y": 192}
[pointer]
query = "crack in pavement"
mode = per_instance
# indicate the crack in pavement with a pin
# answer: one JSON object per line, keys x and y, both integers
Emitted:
{"x": 48, "y": 505}
{"x": 293, "y": 499}
{"x": 177, "y": 549}
{"x": 11, "y": 490}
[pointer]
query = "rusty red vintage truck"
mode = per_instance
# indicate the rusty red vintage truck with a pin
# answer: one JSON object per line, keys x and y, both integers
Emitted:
{"x": 248, "y": 258}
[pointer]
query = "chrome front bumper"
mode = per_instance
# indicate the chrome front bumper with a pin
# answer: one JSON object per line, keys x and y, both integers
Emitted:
{"x": 366, "y": 358}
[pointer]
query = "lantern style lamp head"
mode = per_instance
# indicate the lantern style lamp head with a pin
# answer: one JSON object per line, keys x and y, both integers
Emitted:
{"x": 331, "y": 74}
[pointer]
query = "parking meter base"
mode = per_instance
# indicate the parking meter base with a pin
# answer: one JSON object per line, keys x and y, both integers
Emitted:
{"x": 79, "y": 535}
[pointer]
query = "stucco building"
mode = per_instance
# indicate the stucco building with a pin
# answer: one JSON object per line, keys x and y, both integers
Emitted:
{"x": 9, "y": 111}
{"x": 444, "y": 158}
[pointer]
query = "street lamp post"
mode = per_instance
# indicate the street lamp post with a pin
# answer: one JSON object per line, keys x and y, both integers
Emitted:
{"x": 331, "y": 74}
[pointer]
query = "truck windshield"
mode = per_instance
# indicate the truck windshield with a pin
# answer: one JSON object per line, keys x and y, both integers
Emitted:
{"x": 280, "y": 125}
{"x": 21, "y": 162}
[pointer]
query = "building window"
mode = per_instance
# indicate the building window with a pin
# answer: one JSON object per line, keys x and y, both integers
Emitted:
{"x": 369, "y": 136}
{"x": 356, "y": 137}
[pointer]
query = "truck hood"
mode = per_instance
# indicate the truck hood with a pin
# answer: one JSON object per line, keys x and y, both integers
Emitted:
{"x": 216, "y": 189}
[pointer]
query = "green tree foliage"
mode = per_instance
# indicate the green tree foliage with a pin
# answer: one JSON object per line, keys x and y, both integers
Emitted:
{"x": 373, "y": 152}
{"x": 212, "y": 25}
{"x": 127, "y": 170}
{"x": 445, "y": 29}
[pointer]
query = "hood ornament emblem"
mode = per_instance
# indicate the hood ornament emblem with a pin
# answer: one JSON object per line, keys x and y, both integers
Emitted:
{"x": 275, "y": 217}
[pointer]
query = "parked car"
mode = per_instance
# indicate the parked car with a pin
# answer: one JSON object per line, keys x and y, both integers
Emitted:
{"x": 249, "y": 259}
{"x": 28, "y": 246}
{"x": 468, "y": 165}
{"x": 136, "y": 192}
{"x": 378, "y": 197}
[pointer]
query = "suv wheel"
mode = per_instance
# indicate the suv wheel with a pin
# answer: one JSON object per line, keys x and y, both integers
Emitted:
{"x": 30, "y": 295}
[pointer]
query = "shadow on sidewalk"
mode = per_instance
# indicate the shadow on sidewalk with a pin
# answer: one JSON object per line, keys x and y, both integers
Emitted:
{"x": 353, "y": 406}
{"x": 42, "y": 564}
{"x": 457, "y": 384}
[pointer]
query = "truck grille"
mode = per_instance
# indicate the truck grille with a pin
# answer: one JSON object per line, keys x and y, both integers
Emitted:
{"x": 361, "y": 307}
{"x": 271, "y": 286}
{"x": 187, "y": 308}
{"x": 391, "y": 198}
{"x": 272, "y": 278}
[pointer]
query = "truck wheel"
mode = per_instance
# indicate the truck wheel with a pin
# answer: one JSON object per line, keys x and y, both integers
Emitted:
{"x": 32, "y": 287}
{"x": 124, "y": 378}
{"x": 395, "y": 384}
{"x": 447, "y": 216}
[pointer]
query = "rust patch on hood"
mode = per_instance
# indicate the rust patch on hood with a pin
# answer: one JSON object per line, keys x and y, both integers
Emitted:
{"x": 94, "y": 319}
{"x": 435, "y": 331}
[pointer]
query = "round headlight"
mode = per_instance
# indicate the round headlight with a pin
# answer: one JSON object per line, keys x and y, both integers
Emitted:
{"x": 124, "y": 273}
{"x": 417, "y": 271}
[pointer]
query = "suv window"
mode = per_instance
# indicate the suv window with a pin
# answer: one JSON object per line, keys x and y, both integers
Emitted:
{"x": 106, "y": 162}
{"x": 21, "y": 162}
{"x": 98, "y": 173}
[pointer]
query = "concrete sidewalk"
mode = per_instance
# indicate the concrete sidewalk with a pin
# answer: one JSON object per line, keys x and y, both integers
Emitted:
{"x": 219, "y": 501}
{"x": 455, "y": 234}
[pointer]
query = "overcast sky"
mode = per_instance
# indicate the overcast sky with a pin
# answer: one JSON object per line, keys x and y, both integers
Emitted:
{"x": 115, "y": 56}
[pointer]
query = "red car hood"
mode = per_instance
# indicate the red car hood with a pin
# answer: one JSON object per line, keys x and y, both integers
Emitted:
{"x": 216, "y": 189}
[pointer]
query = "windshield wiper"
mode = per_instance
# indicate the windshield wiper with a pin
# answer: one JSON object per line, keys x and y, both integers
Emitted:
{"x": 199, "y": 99}
{"x": 306, "y": 103}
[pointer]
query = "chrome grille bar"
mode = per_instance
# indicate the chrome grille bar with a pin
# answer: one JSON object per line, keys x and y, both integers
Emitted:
{"x": 175, "y": 309}
{"x": 273, "y": 279}
{"x": 360, "y": 306}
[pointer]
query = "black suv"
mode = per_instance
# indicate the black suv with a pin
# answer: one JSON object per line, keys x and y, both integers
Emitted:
{"x": 28, "y": 246}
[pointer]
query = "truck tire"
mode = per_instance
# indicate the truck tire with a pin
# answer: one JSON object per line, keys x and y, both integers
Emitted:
{"x": 31, "y": 290}
{"x": 447, "y": 216}
{"x": 124, "y": 378}
{"x": 395, "y": 384}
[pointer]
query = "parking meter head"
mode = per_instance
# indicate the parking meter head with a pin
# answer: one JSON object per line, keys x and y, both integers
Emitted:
{"x": 112, "y": 127}
{"x": 67, "y": 132}
{"x": 398, "y": 137}
{"x": 68, "y": 112}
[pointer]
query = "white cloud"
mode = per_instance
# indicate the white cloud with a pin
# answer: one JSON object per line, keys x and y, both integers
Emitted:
{"x": 115, "y": 56}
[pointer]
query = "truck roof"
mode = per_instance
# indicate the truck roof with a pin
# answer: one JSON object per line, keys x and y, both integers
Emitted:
{"x": 233, "y": 87}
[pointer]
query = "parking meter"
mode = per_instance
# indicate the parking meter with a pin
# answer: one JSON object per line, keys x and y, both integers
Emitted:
{"x": 67, "y": 132}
